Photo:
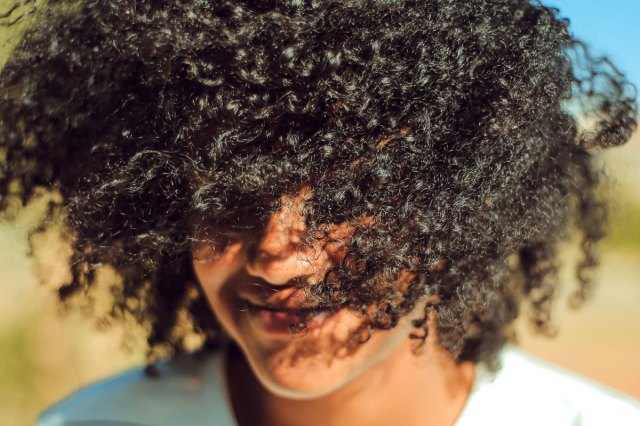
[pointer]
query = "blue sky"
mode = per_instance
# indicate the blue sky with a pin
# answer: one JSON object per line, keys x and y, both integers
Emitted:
{"x": 610, "y": 27}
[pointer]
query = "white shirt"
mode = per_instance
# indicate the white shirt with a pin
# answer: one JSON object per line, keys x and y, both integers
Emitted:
{"x": 192, "y": 391}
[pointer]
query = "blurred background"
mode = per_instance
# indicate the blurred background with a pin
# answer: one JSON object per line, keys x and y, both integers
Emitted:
{"x": 47, "y": 352}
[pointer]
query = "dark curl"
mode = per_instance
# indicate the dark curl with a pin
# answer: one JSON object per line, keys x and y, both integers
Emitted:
{"x": 449, "y": 123}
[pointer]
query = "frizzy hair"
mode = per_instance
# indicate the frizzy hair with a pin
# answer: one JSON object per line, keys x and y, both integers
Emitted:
{"x": 446, "y": 122}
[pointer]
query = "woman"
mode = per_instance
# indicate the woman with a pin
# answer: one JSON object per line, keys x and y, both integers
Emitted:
{"x": 347, "y": 202}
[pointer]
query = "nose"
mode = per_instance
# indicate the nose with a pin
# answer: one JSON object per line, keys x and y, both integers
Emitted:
{"x": 281, "y": 256}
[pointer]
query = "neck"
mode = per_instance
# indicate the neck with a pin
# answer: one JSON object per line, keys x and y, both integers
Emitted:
{"x": 408, "y": 389}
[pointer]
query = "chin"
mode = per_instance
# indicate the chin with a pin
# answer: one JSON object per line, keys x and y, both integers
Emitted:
{"x": 304, "y": 368}
{"x": 294, "y": 375}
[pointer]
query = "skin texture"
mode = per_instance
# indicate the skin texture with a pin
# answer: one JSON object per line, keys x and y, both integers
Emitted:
{"x": 302, "y": 376}
{"x": 449, "y": 125}
{"x": 275, "y": 273}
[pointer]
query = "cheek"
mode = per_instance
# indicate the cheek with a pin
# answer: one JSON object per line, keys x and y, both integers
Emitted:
{"x": 215, "y": 272}
{"x": 216, "y": 278}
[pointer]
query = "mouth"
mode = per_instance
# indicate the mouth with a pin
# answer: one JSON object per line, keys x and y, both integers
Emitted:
{"x": 289, "y": 320}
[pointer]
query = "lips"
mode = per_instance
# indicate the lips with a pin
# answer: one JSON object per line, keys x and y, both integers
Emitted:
{"x": 285, "y": 298}
{"x": 274, "y": 321}
{"x": 284, "y": 311}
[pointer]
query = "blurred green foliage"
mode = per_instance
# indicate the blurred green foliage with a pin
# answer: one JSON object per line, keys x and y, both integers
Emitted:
{"x": 625, "y": 226}
{"x": 12, "y": 25}
{"x": 16, "y": 362}
{"x": 19, "y": 375}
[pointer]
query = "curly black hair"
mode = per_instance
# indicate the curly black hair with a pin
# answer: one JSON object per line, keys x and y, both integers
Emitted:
{"x": 453, "y": 124}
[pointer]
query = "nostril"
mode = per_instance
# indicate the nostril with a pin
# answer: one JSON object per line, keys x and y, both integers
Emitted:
{"x": 273, "y": 247}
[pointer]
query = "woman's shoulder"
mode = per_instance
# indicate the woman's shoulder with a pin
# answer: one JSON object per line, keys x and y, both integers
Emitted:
{"x": 188, "y": 389}
{"x": 526, "y": 390}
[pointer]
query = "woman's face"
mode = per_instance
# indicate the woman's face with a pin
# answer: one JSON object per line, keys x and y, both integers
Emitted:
{"x": 254, "y": 290}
